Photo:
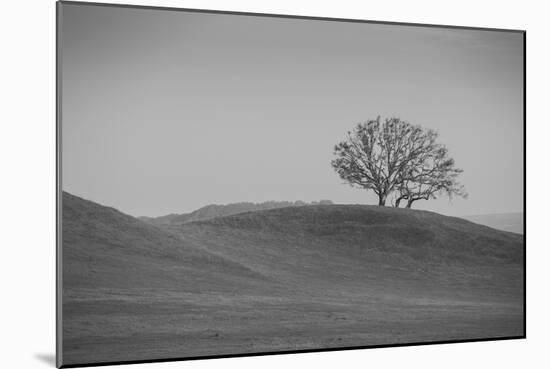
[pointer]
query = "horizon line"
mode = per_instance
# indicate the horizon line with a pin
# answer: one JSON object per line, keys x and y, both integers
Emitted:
{"x": 306, "y": 203}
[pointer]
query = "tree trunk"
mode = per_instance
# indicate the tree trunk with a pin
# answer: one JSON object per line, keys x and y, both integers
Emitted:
{"x": 409, "y": 204}
{"x": 382, "y": 200}
{"x": 398, "y": 201}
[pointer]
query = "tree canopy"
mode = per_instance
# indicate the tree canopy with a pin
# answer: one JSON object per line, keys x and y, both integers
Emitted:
{"x": 396, "y": 158}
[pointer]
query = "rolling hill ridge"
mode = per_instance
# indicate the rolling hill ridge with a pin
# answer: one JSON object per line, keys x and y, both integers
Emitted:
{"x": 215, "y": 211}
{"x": 335, "y": 245}
{"x": 105, "y": 248}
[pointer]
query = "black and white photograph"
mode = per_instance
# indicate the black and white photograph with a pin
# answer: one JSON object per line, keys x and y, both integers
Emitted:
{"x": 239, "y": 184}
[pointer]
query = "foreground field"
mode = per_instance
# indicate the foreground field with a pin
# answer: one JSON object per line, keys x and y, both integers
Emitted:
{"x": 163, "y": 324}
{"x": 283, "y": 279}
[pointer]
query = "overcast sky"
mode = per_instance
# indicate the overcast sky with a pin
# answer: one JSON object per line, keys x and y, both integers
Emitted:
{"x": 165, "y": 112}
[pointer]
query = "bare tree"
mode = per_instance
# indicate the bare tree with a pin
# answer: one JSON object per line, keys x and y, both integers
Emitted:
{"x": 433, "y": 174}
{"x": 392, "y": 156}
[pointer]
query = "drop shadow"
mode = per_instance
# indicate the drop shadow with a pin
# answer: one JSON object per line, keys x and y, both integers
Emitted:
{"x": 46, "y": 358}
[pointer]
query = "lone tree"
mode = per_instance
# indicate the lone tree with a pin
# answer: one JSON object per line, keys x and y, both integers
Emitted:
{"x": 395, "y": 156}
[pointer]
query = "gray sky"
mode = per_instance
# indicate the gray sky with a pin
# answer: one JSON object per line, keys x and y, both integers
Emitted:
{"x": 166, "y": 111}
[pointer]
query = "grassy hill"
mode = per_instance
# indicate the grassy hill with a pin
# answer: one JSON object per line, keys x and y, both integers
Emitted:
{"x": 104, "y": 248}
{"x": 335, "y": 245}
{"x": 282, "y": 279}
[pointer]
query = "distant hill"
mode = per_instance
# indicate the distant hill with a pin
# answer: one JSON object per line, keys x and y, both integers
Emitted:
{"x": 288, "y": 278}
{"x": 215, "y": 211}
{"x": 509, "y": 222}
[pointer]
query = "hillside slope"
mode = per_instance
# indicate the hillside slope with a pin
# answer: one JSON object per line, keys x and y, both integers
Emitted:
{"x": 282, "y": 279}
{"x": 394, "y": 249}
{"x": 103, "y": 247}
